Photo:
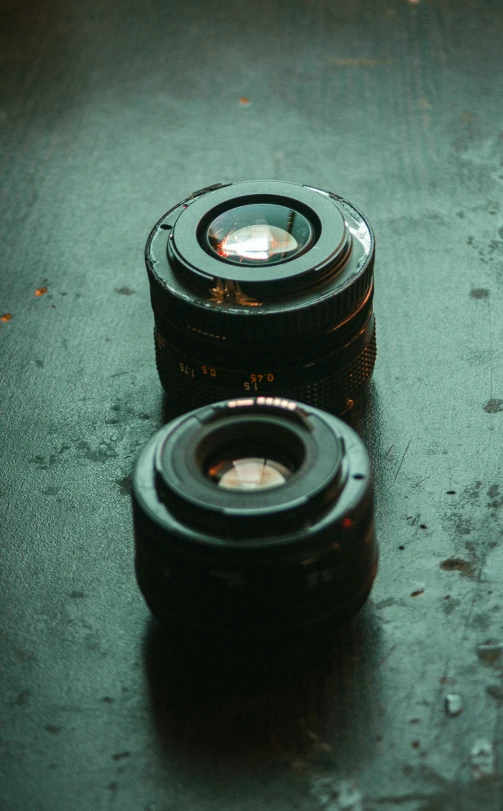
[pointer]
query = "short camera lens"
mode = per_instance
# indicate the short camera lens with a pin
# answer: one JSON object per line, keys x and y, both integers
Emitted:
{"x": 254, "y": 518}
{"x": 263, "y": 288}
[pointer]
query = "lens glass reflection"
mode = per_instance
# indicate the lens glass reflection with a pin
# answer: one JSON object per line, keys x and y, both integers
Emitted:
{"x": 248, "y": 473}
{"x": 259, "y": 234}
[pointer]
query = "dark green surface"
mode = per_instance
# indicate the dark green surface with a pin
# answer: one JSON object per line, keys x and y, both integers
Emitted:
{"x": 112, "y": 113}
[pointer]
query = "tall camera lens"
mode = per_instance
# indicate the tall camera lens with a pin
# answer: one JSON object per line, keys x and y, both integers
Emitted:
{"x": 263, "y": 288}
{"x": 254, "y": 517}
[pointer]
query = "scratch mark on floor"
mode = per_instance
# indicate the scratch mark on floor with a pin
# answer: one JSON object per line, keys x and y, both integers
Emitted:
{"x": 383, "y": 658}
{"x": 472, "y": 603}
{"x": 423, "y": 480}
{"x": 403, "y": 457}
{"x": 361, "y": 61}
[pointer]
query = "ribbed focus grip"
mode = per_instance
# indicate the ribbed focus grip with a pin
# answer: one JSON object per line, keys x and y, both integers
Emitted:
{"x": 186, "y": 310}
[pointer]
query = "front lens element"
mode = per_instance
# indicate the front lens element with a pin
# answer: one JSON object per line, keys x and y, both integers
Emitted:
{"x": 248, "y": 473}
{"x": 259, "y": 234}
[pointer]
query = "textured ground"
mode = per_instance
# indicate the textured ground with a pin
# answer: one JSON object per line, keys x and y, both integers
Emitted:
{"x": 113, "y": 112}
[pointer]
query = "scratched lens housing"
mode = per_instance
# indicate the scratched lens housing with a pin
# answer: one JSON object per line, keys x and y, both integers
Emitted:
{"x": 287, "y": 543}
{"x": 263, "y": 288}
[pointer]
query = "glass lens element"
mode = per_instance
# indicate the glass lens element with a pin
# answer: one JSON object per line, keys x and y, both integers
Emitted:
{"x": 259, "y": 234}
{"x": 249, "y": 473}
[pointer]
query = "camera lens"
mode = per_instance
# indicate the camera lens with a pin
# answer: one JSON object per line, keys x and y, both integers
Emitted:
{"x": 263, "y": 288}
{"x": 254, "y": 517}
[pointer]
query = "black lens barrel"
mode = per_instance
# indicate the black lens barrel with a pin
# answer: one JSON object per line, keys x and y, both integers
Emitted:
{"x": 254, "y": 563}
{"x": 302, "y": 327}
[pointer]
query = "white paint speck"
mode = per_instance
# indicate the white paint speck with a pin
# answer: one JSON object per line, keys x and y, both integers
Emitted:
{"x": 453, "y": 704}
{"x": 483, "y": 758}
{"x": 337, "y": 795}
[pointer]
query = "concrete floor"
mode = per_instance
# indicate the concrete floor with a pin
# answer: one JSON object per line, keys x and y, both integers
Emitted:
{"x": 112, "y": 114}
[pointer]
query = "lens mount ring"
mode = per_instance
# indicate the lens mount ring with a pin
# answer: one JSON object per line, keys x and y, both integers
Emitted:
{"x": 169, "y": 501}
{"x": 197, "y": 265}
{"x": 279, "y": 300}
{"x": 308, "y": 446}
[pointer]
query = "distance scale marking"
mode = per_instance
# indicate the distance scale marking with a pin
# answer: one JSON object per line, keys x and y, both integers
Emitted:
{"x": 345, "y": 376}
{"x": 249, "y": 382}
{"x": 256, "y": 381}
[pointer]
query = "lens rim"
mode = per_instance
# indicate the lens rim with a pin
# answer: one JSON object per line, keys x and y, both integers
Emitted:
{"x": 182, "y": 517}
{"x": 193, "y": 304}
{"x": 184, "y": 487}
{"x": 326, "y": 254}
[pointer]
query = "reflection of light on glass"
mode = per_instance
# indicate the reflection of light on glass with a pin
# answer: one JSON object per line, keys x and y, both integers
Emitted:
{"x": 259, "y": 241}
{"x": 250, "y": 473}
